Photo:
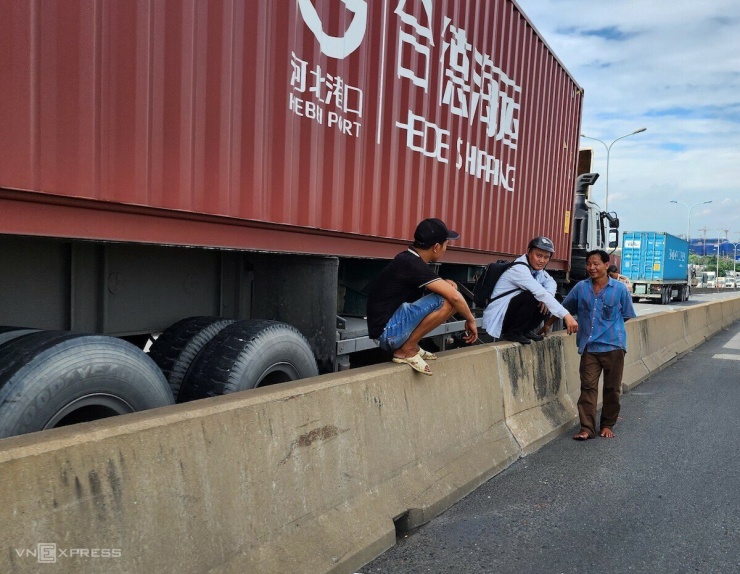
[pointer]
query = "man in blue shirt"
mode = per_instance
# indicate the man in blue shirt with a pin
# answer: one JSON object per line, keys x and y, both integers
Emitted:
{"x": 602, "y": 305}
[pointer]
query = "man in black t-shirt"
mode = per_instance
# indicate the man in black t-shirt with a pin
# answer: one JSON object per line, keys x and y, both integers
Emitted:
{"x": 399, "y": 315}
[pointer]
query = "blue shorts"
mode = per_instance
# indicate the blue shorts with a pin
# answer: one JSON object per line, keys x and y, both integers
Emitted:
{"x": 406, "y": 318}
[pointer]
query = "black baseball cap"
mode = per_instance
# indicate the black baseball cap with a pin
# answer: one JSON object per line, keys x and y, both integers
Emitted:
{"x": 431, "y": 231}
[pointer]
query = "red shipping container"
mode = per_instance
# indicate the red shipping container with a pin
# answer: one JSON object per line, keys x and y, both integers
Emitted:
{"x": 307, "y": 126}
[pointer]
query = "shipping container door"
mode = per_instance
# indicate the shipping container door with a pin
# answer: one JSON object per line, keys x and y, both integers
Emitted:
{"x": 676, "y": 258}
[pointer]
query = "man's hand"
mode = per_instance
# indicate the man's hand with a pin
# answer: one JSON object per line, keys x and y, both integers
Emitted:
{"x": 544, "y": 330}
{"x": 570, "y": 324}
{"x": 451, "y": 282}
{"x": 471, "y": 332}
{"x": 543, "y": 308}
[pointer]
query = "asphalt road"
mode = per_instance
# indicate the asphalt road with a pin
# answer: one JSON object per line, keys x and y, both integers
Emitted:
{"x": 646, "y": 306}
{"x": 663, "y": 496}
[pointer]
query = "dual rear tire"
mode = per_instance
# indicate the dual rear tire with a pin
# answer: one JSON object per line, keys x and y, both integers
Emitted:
{"x": 50, "y": 379}
{"x": 205, "y": 357}
{"x": 666, "y": 294}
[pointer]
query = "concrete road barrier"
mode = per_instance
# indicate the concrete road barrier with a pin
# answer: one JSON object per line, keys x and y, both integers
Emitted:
{"x": 715, "y": 319}
{"x": 662, "y": 339}
{"x": 312, "y": 476}
{"x": 730, "y": 311}
{"x": 305, "y": 477}
{"x": 536, "y": 400}
{"x": 635, "y": 369}
{"x": 697, "y": 325}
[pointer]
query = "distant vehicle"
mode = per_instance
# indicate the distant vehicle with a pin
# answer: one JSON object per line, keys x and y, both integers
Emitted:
{"x": 657, "y": 264}
{"x": 708, "y": 279}
{"x": 730, "y": 283}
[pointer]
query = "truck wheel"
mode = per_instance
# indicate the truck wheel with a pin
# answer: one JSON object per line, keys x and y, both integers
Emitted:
{"x": 665, "y": 295}
{"x": 9, "y": 333}
{"x": 687, "y": 293}
{"x": 635, "y": 299}
{"x": 249, "y": 354}
{"x": 50, "y": 379}
{"x": 175, "y": 349}
{"x": 679, "y": 294}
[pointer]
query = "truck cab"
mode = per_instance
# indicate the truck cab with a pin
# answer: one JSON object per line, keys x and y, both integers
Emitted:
{"x": 592, "y": 227}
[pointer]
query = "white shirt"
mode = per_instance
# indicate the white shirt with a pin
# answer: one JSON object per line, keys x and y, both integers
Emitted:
{"x": 519, "y": 277}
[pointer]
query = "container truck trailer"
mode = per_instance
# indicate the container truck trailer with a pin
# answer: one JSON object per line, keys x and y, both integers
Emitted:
{"x": 233, "y": 174}
{"x": 657, "y": 265}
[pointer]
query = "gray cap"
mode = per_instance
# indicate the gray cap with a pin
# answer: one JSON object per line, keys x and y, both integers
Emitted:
{"x": 541, "y": 243}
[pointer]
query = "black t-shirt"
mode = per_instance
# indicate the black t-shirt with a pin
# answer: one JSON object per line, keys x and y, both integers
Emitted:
{"x": 402, "y": 281}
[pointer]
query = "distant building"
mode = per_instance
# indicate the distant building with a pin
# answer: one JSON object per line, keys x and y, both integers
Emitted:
{"x": 709, "y": 247}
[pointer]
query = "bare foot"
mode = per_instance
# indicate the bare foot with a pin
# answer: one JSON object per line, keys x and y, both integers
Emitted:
{"x": 606, "y": 433}
{"x": 583, "y": 435}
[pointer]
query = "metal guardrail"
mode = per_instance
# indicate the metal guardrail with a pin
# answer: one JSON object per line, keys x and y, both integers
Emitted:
{"x": 348, "y": 346}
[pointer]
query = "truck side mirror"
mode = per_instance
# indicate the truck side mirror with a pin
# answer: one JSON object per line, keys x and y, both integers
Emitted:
{"x": 612, "y": 219}
{"x": 613, "y": 237}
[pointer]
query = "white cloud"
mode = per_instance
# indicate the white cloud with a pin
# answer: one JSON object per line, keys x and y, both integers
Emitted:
{"x": 674, "y": 68}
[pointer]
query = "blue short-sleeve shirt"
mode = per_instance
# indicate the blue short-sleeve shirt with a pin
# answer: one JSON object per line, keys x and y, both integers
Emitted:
{"x": 600, "y": 317}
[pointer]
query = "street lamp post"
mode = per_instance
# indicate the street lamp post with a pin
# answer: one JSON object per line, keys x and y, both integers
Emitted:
{"x": 688, "y": 231}
{"x": 716, "y": 280}
{"x": 734, "y": 263}
{"x": 608, "y": 149}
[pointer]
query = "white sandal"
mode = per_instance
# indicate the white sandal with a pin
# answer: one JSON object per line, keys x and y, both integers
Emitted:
{"x": 426, "y": 355}
{"x": 415, "y": 362}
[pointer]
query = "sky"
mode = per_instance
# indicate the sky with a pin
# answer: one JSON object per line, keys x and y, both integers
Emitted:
{"x": 672, "y": 67}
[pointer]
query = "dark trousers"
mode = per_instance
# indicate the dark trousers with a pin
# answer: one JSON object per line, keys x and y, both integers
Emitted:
{"x": 592, "y": 364}
{"x": 523, "y": 314}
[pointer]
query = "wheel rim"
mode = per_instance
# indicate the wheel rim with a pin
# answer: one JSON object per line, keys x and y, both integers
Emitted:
{"x": 278, "y": 373}
{"x": 89, "y": 408}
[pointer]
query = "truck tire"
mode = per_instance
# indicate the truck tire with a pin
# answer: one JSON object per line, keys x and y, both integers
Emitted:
{"x": 680, "y": 294}
{"x": 247, "y": 354}
{"x": 7, "y": 334}
{"x": 687, "y": 293}
{"x": 175, "y": 349}
{"x": 53, "y": 378}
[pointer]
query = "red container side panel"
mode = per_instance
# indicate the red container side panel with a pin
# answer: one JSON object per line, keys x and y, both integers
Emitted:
{"x": 312, "y": 118}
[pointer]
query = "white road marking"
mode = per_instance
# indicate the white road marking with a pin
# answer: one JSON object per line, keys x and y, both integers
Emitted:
{"x": 723, "y": 356}
{"x": 733, "y": 343}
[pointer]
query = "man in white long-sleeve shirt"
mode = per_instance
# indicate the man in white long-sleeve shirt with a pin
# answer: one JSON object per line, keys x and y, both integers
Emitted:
{"x": 524, "y": 296}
